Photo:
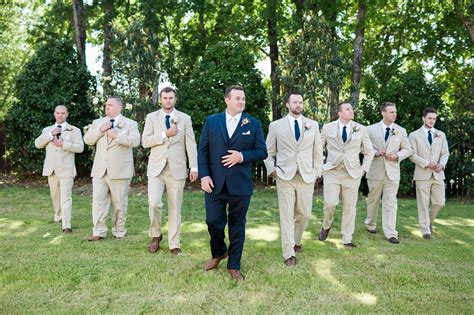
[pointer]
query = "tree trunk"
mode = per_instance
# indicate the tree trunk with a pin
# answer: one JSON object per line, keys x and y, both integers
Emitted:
{"x": 357, "y": 55}
{"x": 467, "y": 21}
{"x": 80, "y": 27}
{"x": 107, "y": 28}
{"x": 274, "y": 55}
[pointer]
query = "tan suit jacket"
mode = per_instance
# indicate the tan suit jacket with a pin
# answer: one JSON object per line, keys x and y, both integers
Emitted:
{"x": 173, "y": 150}
{"x": 424, "y": 153}
{"x": 397, "y": 143}
{"x": 287, "y": 156}
{"x": 114, "y": 156}
{"x": 60, "y": 160}
{"x": 347, "y": 153}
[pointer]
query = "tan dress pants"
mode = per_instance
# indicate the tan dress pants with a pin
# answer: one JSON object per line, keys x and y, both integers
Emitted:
{"x": 174, "y": 192}
{"x": 109, "y": 193}
{"x": 385, "y": 190}
{"x": 60, "y": 189}
{"x": 427, "y": 190}
{"x": 338, "y": 182}
{"x": 295, "y": 201}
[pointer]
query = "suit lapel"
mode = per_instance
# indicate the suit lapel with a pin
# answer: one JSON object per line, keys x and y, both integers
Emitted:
{"x": 223, "y": 127}
{"x": 176, "y": 118}
{"x": 337, "y": 134}
{"x": 425, "y": 138}
{"x": 287, "y": 129}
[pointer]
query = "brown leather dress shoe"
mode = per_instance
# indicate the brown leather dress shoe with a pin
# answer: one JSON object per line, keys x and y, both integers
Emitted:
{"x": 95, "y": 238}
{"x": 427, "y": 236}
{"x": 175, "y": 251}
{"x": 374, "y": 231}
{"x": 236, "y": 274}
{"x": 214, "y": 262}
{"x": 394, "y": 240}
{"x": 155, "y": 244}
{"x": 323, "y": 234}
{"x": 291, "y": 262}
{"x": 351, "y": 245}
{"x": 67, "y": 230}
{"x": 298, "y": 248}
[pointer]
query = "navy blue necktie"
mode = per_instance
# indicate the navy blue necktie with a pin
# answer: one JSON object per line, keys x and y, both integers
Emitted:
{"x": 112, "y": 123}
{"x": 167, "y": 122}
{"x": 430, "y": 139}
{"x": 297, "y": 130}
{"x": 344, "y": 134}
{"x": 58, "y": 134}
{"x": 387, "y": 133}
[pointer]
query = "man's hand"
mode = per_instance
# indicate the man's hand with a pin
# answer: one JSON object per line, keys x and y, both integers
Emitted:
{"x": 391, "y": 157}
{"x": 273, "y": 174}
{"x": 432, "y": 165}
{"x": 106, "y": 126}
{"x": 56, "y": 131}
{"x": 193, "y": 176}
{"x": 58, "y": 142}
{"x": 207, "y": 184}
{"x": 439, "y": 168}
{"x": 112, "y": 134}
{"x": 172, "y": 131}
{"x": 380, "y": 152}
{"x": 231, "y": 159}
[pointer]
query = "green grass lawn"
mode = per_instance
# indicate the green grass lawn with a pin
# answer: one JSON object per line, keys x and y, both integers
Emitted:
{"x": 45, "y": 271}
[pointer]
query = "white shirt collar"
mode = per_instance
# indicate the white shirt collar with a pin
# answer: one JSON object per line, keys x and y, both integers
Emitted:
{"x": 385, "y": 126}
{"x": 426, "y": 129}
{"x": 228, "y": 117}
{"x": 171, "y": 114}
{"x": 341, "y": 125}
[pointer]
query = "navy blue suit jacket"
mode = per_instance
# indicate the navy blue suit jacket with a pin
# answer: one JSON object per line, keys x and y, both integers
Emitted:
{"x": 248, "y": 139}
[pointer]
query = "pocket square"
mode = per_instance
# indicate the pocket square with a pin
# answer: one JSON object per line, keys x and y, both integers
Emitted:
{"x": 246, "y": 133}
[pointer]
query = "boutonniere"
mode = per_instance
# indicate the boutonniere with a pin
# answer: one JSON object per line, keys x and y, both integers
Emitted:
{"x": 68, "y": 129}
{"x": 86, "y": 128}
{"x": 307, "y": 127}
{"x": 120, "y": 125}
{"x": 436, "y": 134}
{"x": 393, "y": 132}
{"x": 245, "y": 121}
{"x": 355, "y": 129}
{"x": 174, "y": 121}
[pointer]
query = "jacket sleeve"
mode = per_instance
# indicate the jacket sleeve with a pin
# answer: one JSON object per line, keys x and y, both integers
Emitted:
{"x": 317, "y": 151}
{"x": 190, "y": 143}
{"x": 74, "y": 145}
{"x": 93, "y": 133}
{"x": 203, "y": 152}
{"x": 259, "y": 151}
{"x": 270, "y": 161}
{"x": 150, "y": 136}
{"x": 367, "y": 150}
{"x": 43, "y": 140}
{"x": 132, "y": 138}
{"x": 415, "y": 158}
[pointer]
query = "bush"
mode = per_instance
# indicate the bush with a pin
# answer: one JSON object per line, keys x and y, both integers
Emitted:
{"x": 224, "y": 64}
{"x": 53, "y": 76}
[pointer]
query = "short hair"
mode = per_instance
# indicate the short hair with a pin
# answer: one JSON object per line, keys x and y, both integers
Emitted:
{"x": 230, "y": 88}
{"x": 428, "y": 110}
{"x": 167, "y": 90}
{"x": 338, "y": 108}
{"x": 61, "y": 105}
{"x": 385, "y": 105}
{"x": 289, "y": 94}
{"x": 117, "y": 98}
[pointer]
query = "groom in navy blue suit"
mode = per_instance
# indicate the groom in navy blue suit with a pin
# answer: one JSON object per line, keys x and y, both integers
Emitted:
{"x": 230, "y": 142}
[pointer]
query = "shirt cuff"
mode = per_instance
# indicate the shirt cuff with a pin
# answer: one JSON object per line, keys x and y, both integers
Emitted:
{"x": 241, "y": 157}
{"x": 193, "y": 169}
{"x": 163, "y": 135}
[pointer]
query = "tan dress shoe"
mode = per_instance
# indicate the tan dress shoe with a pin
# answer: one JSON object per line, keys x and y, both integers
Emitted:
{"x": 214, "y": 262}
{"x": 155, "y": 244}
{"x": 236, "y": 274}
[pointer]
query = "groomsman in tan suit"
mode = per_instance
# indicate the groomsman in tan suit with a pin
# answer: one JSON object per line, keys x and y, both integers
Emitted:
{"x": 169, "y": 133}
{"x": 114, "y": 138}
{"x": 61, "y": 141}
{"x": 430, "y": 155}
{"x": 344, "y": 140}
{"x": 295, "y": 159}
{"x": 391, "y": 146}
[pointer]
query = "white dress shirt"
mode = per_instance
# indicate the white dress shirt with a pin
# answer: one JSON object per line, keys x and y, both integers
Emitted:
{"x": 231, "y": 123}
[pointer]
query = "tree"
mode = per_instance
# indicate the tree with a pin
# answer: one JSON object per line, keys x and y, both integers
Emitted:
{"x": 53, "y": 76}
{"x": 357, "y": 55}
{"x": 80, "y": 27}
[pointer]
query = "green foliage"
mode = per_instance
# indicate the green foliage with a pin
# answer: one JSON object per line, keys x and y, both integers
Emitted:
{"x": 53, "y": 76}
{"x": 224, "y": 64}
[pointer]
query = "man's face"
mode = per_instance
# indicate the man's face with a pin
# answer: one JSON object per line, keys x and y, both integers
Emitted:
{"x": 389, "y": 114}
{"x": 345, "y": 112}
{"x": 60, "y": 114}
{"x": 113, "y": 108}
{"x": 167, "y": 100}
{"x": 430, "y": 120}
{"x": 235, "y": 102}
{"x": 295, "y": 104}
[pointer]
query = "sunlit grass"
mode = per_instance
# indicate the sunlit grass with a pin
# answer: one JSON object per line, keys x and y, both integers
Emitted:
{"x": 46, "y": 271}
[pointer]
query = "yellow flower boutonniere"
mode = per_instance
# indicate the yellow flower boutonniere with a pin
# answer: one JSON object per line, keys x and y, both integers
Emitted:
{"x": 245, "y": 121}
{"x": 120, "y": 125}
{"x": 174, "y": 121}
